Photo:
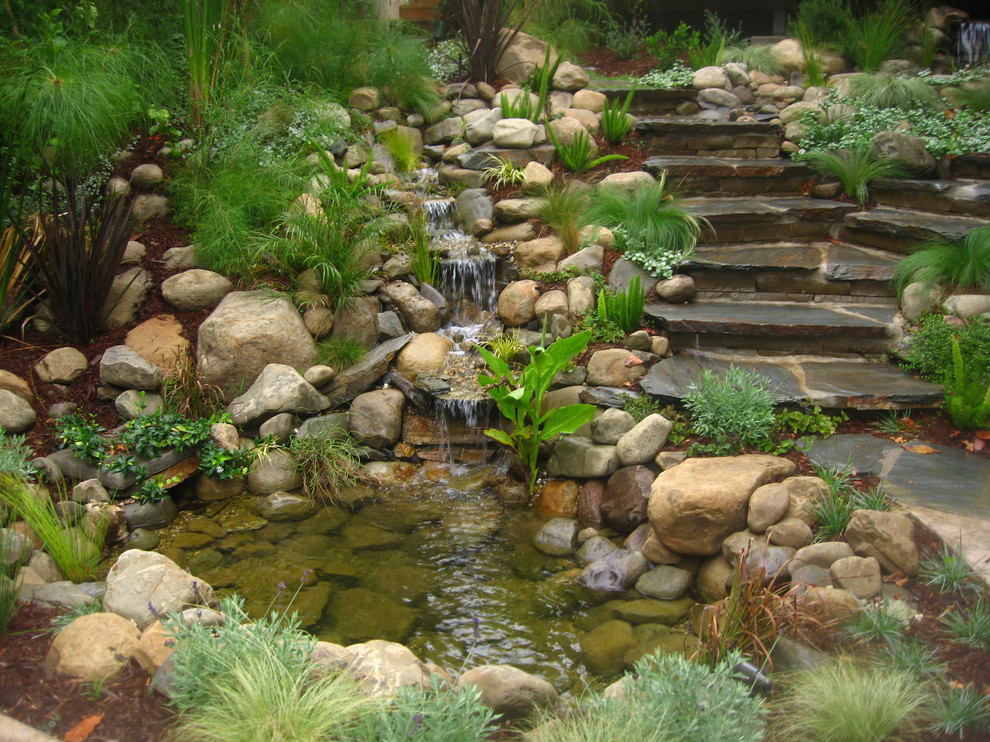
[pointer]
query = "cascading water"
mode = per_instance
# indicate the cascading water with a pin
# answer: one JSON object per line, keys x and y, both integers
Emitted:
{"x": 974, "y": 42}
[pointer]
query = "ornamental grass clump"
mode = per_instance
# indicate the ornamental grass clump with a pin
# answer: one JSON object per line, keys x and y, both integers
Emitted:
{"x": 855, "y": 168}
{"x": 960, "y": 263}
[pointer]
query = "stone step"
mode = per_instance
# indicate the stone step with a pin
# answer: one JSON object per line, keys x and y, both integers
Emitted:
{"x": 787, "y": 271}
{"x": 832, "y": 381}
{"x": 739, "y": 220}
{"x": 646, "y": 102}
{"x": 748, "y": 140}
{"x": 965, "y": 197}
{"x": 727, "y": 176}
{"x": 898, "y": 230}
{"x": 971, "y": 165}
{"x": 791, "y": 326}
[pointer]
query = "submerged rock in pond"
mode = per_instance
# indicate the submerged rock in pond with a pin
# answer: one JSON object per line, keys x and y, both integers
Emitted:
{"x": 280, "y": 506}
{"x": 362, "y": 536}
{"x": 328, "y": 519}
{"x": 237, "y": 517}
{"x": 665, "y": 582}
{"x": 190, "y": 540}
{"x": 614, "y": 572}
{"x": 359, "y": 614}
{"x": 151, "y": 515}
{"x": 644, "y": 610}
{"x": 408, "y": 584}
{"x": 605, "y": 647}
{"x": 557, "y": 537}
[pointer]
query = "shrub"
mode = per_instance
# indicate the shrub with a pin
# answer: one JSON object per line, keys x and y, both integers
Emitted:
{"x": 624, "y": 308}
{"x": 484, "y": 29}
{"x": 438, "y": 713}
{"x": 339, "y": 352}
{"x": 846, "y": 701}
{"x": 425, "y": 261}
{"x": 876, "y": 622}
{"x": 716, "y": 37}
{"x": 877, "y": 35}
{"x": 826, "y": 19}
{"x": 626, "y": 39}
{"x": 400, "y": 146}
{"x": 640, "y": 407}
{"x": 571, "y": 26}
{"x": 675, "y": 75}
{"x": 967, "y": 397}
{"x": 668, "y": 47}
{"x": 503, "y": 172}
{"x": 328, "y": 461}
{"x": 649, "y": 226}
{"x": 734, "y": 409}
{"x": 962, "y": 263}
{"x": 929, "y": 351}
{"x": 960, "y": 710}
{"x": 855, "y": 168}
{"x": 15, "y": 456}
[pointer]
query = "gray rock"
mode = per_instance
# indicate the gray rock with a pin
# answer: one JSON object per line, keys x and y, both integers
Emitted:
{"x": 195, "y": 289}
{"x": 180, "y": 258}
{"x": 579, "y": 457}
{"x": 16, "y": 415}
{"x": 918, "y": 299}
{"x": 382, "y": 667}
{"x": 594, "y": 549}
{"x": 769, "y": 562}
{"x": 858, "y": 575}
{"x": 61, "y": 366}
{"x": 131, "y": 404}
{"x": 376, "y": 417}
{"x": 417, "y": 312}
{"x": 614, "y": 367}
{"x": 274, "y": 472}
{"x": 792, "y": 532}
{"x": 124, "y": 367}
{"x": 356, "y": 320}
{"x": 283, "y": 506}
{"x": 644, "y": 441}
{"x": 887, "y": 536}
{"x": 444, "y": 131}
{"x": 966, "y": 306}
{"x": 665, "y": 582}
{"x": 557, "y": 537}
{"x": 364, "y": 374}
{"x": 473, "y": 204}
{"x": 143, "y": 585}
{"x": 479, "y": 125}
{"x": 822, "y": 555}
{"x": 514, "y": 133}
{"x": 614, "y": 572}
{"x": 246, "y": 332}
{"x": 768, "y": 505}
{"x": 151, "y": 515}
{"x": 678, "y": 289}
{"x": 15, "y": 548}
{"x": 622, "y": 273}
{"x": 90, "y": 490}
{"x": 611, "y": 425}
{"x": 335, "y": 425}
{"x": 142, "y": 538}
{"x": 278, "y": 388}
{"x": 907, "y": 149}
{"x": 149, "y": 206}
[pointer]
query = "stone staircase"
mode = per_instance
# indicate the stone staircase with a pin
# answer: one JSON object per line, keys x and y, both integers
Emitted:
{"x": 796, "y": 285}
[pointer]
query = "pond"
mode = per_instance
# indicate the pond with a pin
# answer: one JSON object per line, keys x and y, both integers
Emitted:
{"x": 441, "y": 566}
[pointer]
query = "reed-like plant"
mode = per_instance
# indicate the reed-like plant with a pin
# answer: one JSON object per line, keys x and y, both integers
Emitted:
{"x": 502, "y": 173}
{"x": 960, "y": 263}
{"x": 577, "y": 155}
{"x": 814, "y": 70}
{"x": 756, "y": 57}
{"x": 75, "y": 552}
{"x": 893, "y": 91}
{"x": 484, "y": 27}
{"x": 425, "y": 261}
{"x": 400, "y": 146}
{"x": 206, "y": 29}
{"x": 78, "y": 256}
{"x": 328, "y": 461}
{"x": 878, "y": 34}
{"x": 855, "y": 168}
{"x": 561, "y": 209}
{"x": 616, "y": 122}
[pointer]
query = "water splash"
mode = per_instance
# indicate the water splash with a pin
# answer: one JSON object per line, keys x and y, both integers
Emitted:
{"x": 439, "y": 214}
{"x": 467, "y": 278}
{"x": 974, "y": 42}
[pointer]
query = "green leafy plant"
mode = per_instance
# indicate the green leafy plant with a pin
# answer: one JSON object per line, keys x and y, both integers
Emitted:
{"x": 870, "y": 499}
{"x": 616, "y": 121}
{"x": 624, "y": 308}
{"x": 734, "y": 408}
{"x": 626, "y": 39}
{"x": 854, "y": 168}
{"x": 711, "y": 50}
{"x": 561, "y": 208}
{"x": 438, "y": 712}
{"x": 962, "y": 263}
{"x": 948, "y": 572}
{"x": 650, "y": 227}
{"x": 425, "y": 261}
{"x": 667, "y": 47}
{"x": 810, "y": 420}
{"x": 911, "y": 655}
{"x": 505, "y": 346}
{"x": 15, "y": 456}
{"x": 328, "y": 461}
{"x": 930, "y": 352}
{"x": 503, "y": 172}
{"x": 640, "y": 407}
{"x": 876, "y": 622}
{"x": 570, "y": 26}
{"x": 967, "y": 396}
{"x": 153, "y": 490}
{"x": 520, "y": 399}
{"x": 894, "y": 422}
{"x": 76, "y": 553}
{"x": 576, "y": 155}
{"x": 832, "y": 514}
{"x": 960, "y": 710}
{"x": 83, "y": 436}
{"x": 339, "y": 352}
{"x": 970, "y": 625}
{"x": 78, "y": 257}
{"x": 827, "y": 20}
{"x": 848, "y": 701}
{"x": 675, "y": 75}
{"x": 222, "y": 464}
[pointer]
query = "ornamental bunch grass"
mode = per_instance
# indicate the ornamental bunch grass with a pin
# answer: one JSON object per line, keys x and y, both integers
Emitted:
{"x": 878, "y": 34}
{"x": 893, "y": 91}
{"x": 328, "y": 461}
{"x": 578, "y": 154}
{"x": 855, "y": 168}
{"x": 616, "y": 121}
{"x": 961, "y": 263}
{"x": 562, "y": 209}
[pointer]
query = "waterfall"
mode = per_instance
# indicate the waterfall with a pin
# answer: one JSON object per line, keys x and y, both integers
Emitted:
{"x": 974, "y": 42}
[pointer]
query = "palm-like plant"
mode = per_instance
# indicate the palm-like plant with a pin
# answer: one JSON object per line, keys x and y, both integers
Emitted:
{"x": 964, "y": 262}
{"x": 855, "y": 169}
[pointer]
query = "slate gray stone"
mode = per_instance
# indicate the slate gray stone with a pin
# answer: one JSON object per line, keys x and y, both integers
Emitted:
{"x": 614, "y": 572}
{"x": 665, "y": 582}
{"x": 948, "y": 479}
{"x": 362, "y": 376}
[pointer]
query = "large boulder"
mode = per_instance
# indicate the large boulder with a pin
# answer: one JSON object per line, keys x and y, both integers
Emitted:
{"x": 419, "y": 313}
{"x": 510, "y": 692}
{"x": 517, "y": 302}
{"x": 522, "y": 56}
{"x": 644, "y": 441}
{"x": 357, "y": 320}
{"x": 277, "y": 389}
{"x": 889, "y": 537}
{"x": 195, "y": 289}
{"x": 61, "y": 366}
{"x": 94, "y": 647}
{"x": 696, "y": 504}
{"x": 711, "y": 77}
{"x": 382, "y": 667}
{"x": 908, "y": 150}
{"x": 246, "y": 332}
{"x": 144, "y": 585}
{"x": 575, "y": 456}
{"x": 159, "y": 341}
{"x": 424, "y": 354}
{"x": 376, "y": 417}
{"x": 614, "y": 367}
{"x": 124, "y": 367}
{"x": 515, "y": 133}
{"x": 16, "y": 415}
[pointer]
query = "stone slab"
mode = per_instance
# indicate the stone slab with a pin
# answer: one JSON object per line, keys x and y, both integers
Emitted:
{"x": 756, "y": 257}
{"x": 862, "y": 454}
{"x": 970, "y": 198}
{"x": 836, "y": 383}
{"x": 950, "y": 479}
{"x": 900, "y": 229}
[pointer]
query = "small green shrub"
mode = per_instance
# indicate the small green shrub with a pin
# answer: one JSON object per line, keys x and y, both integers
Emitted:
{"x": 668, "y": 47}
{"x": 967, "y": 396}
{"x": 503, "y": 172}
{"x": 616, "y": 121}
{"x": 716, "y": 37}
{"x": 970, "y": 626}
{"x": 756, "y": 57}
{"x": 626, "y": 39}
{"x": 814, "y": 71}
{"x": 640, "y": 407}
{"x": 929, "y": 351}
{"x": 328, "y": 461}
{"x": 948, "y": 572}
{"x": 400, "y": 146}
{"x": 675, "y": 75}
{"x": 810, "y": 420}
{"x": 425, "y": 260}
{"x": 439, "y": 713}
{"x": 624, "y": 308}
{"x": 339, "y": 352}
{"x": 734, "y": 409}
{"x": 826, "y": 19}
{"x": 15, "y": 456}
{"x": 910, "y": 655}
{"x": 649, "y": 227}
{"x": 963, "y": 263}
{"x": 562, "y": 209}
{"x": 855, "y": 169}
{"x": 876, "y": 622}
{"x": 870, "y": 499}
{"x": 960, "y": 710}
{"x": 832, "y": 514}
{"x": 846, "y": 701}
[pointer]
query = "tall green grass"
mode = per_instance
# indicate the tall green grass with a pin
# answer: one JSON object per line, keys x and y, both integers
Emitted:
{"x": 855, "y": 168}
{"x": 892, "y": 91}
{"x": 961, "y": 263}
{"x": 878, "y": 34}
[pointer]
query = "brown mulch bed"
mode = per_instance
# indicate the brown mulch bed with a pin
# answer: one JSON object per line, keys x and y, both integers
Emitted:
{"x": 609, "y": 64}
{"x": 130, "y": 711}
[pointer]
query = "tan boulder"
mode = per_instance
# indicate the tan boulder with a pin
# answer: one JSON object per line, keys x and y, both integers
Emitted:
{"x": 424, "y": 354}
{"x": 94, "y": 647}
{"x": 159, "y": 341}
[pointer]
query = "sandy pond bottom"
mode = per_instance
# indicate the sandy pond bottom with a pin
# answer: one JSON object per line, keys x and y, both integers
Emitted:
{"x": 441, "y": 567}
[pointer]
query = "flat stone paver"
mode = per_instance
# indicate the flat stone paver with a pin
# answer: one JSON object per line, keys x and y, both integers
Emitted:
{"x": 859, "y": 453}
{"x": 949, "y": 479}
{"x": 966, "y": 535}
{"x": 830, "y": 382}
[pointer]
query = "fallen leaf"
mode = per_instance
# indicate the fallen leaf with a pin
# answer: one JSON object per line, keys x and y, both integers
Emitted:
{"x": 920, "y": 449}
{"x": 900, "y": 439}
{"x": 983, "y": 435}
{"x": 83, "y": 729}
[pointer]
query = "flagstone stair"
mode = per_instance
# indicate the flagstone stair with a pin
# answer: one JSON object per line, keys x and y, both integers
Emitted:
{"x": 692, "y": 176}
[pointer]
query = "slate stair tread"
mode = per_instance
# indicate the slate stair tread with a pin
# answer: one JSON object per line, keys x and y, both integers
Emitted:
{"x": 964, "y": 197}
{"x": 724, "y": 166}
{"x": 837, "y": 261}
{"x": 765, "y": 209}
{"x": 776, "y": 319}
{"x": 899, "y": 229}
